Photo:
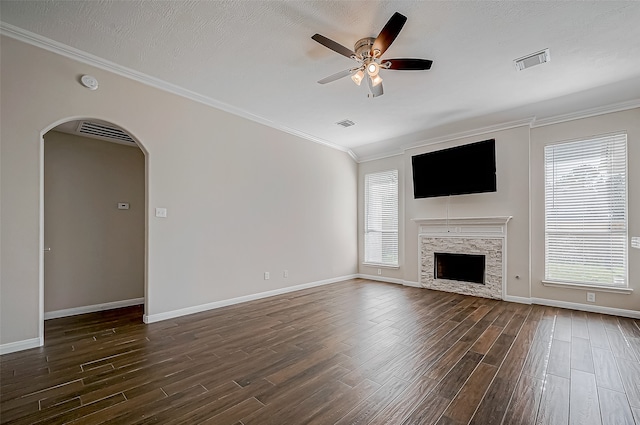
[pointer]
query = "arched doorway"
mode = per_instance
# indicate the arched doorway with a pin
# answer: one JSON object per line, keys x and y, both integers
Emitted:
{"x": 93, "y": 219}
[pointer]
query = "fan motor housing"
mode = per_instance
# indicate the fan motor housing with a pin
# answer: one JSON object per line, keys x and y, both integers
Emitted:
{"x": 363, "y": 47}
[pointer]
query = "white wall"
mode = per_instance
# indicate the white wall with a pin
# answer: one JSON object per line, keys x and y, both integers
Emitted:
{"x": 242, "y": 198}
{"x": 519, "y": 154}
{"x": 97, "y": 250}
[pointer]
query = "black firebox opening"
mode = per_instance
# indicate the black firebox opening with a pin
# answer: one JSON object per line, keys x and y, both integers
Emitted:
{"x": 463, "y": 267}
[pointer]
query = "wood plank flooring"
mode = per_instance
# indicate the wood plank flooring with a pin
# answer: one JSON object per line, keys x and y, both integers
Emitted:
{"x": 355, "y": 352}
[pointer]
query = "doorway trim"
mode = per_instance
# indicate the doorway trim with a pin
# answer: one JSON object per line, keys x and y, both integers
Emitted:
{"x": 41, "y": 253}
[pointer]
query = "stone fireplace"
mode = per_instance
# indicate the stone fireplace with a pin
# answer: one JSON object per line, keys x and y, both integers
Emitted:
{"x": 463, "y": 255}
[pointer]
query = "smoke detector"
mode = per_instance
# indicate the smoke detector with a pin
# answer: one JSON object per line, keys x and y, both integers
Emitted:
{"x": 89, "y": 82}
{"x": 533, "y": 59}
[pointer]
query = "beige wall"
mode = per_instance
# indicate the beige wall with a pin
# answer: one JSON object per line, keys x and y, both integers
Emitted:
{"x": 391, "y": 163}
{"x": 511, "y": 199}
{"x": 628, "y": 121}
{"x": 97, "y": 250}
{"x": 242, "y": 198}
{"x": 519, "y": 154}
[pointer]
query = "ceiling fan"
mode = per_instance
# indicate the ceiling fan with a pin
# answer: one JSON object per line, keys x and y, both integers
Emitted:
{"x": 368, "y": 52}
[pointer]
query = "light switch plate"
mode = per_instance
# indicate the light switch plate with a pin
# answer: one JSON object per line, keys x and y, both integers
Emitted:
{"x": 635, "y": 242}
{"x": 123, "y": 205}
{"x": 161, "y": 212}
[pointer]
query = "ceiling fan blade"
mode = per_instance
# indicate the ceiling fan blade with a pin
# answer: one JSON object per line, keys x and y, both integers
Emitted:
{"x": 336, "y": 76}
{"x": 407, "y": 64}
{"x": 388, "y": 34}
{"x": 374, "y": 91}
{"x": 330, "y": 44}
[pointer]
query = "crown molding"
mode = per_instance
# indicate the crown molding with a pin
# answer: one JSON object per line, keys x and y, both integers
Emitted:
{"x": 353, "y": 155}
{"x": 532, "y": 122}
{"x": 470, "y": 133}
{"x": 53, "y": 46}
{"x": 586, "y": 113}
{"x": 95, "y": 61}
{"x": 450, "y": 137}
{"x": 375, "y": 157}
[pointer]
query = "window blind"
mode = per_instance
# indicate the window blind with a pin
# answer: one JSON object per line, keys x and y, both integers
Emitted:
{"x": 381, "y": 218}
{"x": 586, "y": 211}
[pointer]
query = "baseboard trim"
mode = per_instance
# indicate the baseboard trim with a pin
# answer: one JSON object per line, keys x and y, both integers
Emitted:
{"x": 390, "y": 280}
{"x": 92, "y": 308}
{"x": 12, "y": 347}
{"x": 152, "y": 318}
{"x": 526, "y": 300}
{"x": 381, "y": 278}
{"x": 575, "y": 306}
{"x": 520, "y": 300}
{"x": 633, "y": 314}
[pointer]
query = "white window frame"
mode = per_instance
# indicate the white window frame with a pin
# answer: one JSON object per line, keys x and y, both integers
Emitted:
{"x": 381, "y": 224}
{"x": 570, "y": 226}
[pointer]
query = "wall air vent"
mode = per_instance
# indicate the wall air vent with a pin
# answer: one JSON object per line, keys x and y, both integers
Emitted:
{"x": 532, "y": 60}
{"x": 105, "y": 132}
{"x": 345, "y": 123}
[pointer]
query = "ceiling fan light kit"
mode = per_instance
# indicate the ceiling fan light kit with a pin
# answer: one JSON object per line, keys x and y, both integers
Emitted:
{"x": 357, "y": 77}
{"x": 373, "y": 68}
{"x": 368, "y": 53}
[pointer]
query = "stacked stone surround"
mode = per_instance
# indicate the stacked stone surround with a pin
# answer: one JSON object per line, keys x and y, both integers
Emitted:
{"x": 491, "y": 248}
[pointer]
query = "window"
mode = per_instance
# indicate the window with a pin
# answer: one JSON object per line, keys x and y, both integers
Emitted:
{"x": 586, "y": 211}
{"x": 381, "y": 218}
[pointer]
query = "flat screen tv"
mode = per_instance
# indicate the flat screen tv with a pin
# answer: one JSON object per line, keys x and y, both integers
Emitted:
{"x": 456, "y": 171}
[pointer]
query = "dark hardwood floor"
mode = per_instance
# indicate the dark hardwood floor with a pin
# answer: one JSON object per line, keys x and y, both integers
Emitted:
{"x": 356, "y": 352}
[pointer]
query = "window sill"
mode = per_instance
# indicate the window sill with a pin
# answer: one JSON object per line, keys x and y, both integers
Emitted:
{"x": 584, "y": 286}
{"x": 382, "y": 266}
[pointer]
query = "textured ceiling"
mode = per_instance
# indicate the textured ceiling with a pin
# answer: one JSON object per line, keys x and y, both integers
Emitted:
{"x": 258, "y": 57}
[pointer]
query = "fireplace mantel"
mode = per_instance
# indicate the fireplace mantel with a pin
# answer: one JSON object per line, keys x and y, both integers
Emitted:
{"x": 459, "y": 226}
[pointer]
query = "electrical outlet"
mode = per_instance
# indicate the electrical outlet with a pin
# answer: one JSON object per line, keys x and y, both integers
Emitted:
{"x": 379, "y": 271}
{"x": 266, "y": 275}
{"x": 286, "y": 273}
{"x": 591, "y": 297}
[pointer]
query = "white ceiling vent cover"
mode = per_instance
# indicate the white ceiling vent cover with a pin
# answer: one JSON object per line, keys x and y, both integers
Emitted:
{"x": 533, "y": 59}
{"x": 105, "y": 132}
{"x": 346, "y": 123}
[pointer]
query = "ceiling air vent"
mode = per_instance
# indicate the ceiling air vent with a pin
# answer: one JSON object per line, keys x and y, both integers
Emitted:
{"x": 532, "y": 60}
{"x": 346, "y": 123}
{"x": 105, "y": 132}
